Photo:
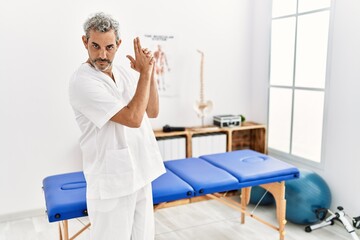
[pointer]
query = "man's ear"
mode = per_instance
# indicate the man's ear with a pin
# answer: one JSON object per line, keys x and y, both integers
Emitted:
{"x": 118, "y": 43}
{"x": 85, "y": 41}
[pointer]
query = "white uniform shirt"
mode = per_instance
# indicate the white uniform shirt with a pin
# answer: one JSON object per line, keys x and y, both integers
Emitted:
{"x": 117, "y": 160}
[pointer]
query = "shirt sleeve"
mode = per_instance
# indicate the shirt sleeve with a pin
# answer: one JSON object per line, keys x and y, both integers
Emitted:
{"x": 94, "y": 100}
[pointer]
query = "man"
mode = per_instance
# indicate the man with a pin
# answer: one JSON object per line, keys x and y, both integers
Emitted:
{"x": 120, "y": 154}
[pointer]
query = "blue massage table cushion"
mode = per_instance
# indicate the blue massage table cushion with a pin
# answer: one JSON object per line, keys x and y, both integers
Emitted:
{"x": 202, "y": 176}
{"x": 65, "y": 196}
{"x": 169, "y": 187}
{"x": 252, "y": 168}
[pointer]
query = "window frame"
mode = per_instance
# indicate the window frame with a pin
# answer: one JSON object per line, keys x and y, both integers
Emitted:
{"x": 288, "y": 156}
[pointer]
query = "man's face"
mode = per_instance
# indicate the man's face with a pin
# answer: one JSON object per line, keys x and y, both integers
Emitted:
{"x": 101, "y": 47}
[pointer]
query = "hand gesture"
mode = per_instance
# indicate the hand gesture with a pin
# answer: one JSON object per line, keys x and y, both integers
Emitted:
{"x": 143, "y": 61}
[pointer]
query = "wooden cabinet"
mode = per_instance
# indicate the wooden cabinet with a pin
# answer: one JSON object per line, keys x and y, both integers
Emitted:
{"x": 249, "y": 135}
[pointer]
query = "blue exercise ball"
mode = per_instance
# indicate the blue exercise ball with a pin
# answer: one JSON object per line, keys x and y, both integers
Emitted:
{"x": 257, "y": 194}
{"x": 304, "y": 195}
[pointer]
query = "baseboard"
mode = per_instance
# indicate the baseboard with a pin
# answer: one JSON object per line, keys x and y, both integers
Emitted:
{"x": 21, "y": 215}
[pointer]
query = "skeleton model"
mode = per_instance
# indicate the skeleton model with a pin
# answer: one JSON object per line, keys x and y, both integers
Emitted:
{"x": 202, "y": 107}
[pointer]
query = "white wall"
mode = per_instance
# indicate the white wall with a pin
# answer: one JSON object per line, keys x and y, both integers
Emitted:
{"x": 342, "y": 130}
{"x": 41, "y": 47}
{"x": 342, "y": 161}
{"x": 260, "y": 50}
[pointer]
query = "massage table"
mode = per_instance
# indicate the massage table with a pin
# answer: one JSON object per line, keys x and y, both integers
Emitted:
{"x": 211, "y": 176}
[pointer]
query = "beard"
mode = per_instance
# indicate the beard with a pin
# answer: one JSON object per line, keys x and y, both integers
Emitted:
{"x": 101, "y": 64}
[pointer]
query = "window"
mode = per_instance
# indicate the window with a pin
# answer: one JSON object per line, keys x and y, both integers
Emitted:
{"x": 299, "y": 43}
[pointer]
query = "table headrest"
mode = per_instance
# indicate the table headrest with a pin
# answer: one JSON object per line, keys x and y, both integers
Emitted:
{"x": 73, "y": 185}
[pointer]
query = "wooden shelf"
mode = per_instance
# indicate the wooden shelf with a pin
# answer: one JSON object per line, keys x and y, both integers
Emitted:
{"x": 249, "y": 135}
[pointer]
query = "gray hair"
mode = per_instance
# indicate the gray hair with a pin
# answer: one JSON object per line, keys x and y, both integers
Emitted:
{"x": 102, "y": 23}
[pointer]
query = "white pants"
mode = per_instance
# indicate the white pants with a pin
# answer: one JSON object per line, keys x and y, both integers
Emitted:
{"x": 125, "y": 218}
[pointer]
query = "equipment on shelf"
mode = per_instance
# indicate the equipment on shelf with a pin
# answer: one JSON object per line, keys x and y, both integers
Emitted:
{"x": 340, "y": 216}
{"x": 168, "y": 128}
{"x": 227, "y": 120}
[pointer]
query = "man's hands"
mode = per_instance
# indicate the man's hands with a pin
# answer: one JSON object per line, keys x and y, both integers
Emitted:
{"x": 144, "y": 60}
{"x": 146, "y": 98}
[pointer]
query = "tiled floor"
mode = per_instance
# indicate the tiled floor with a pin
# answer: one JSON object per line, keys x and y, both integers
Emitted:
{"x": 208, "y": 220}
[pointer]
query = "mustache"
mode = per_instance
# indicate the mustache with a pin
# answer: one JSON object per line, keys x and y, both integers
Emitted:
{"x": 102, "y": 60}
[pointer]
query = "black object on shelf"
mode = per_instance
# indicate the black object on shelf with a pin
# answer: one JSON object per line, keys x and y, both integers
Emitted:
{"x": 168, "y": 128}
